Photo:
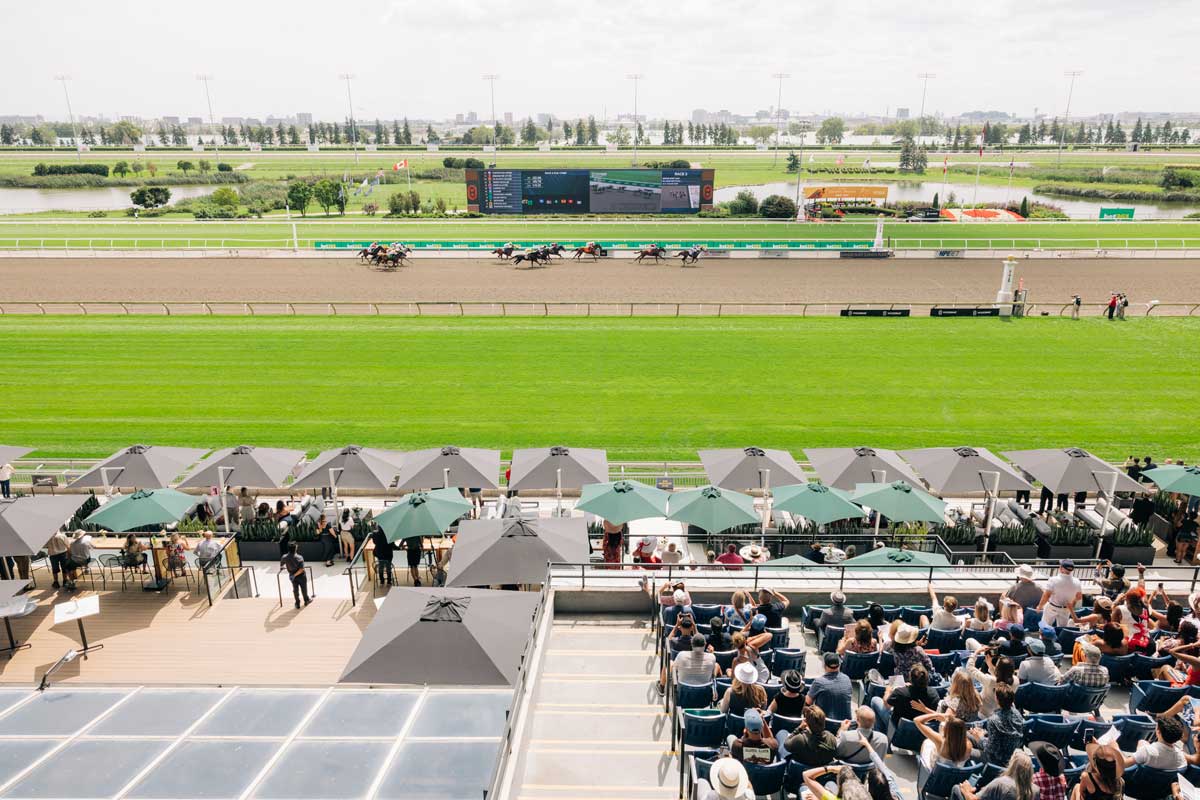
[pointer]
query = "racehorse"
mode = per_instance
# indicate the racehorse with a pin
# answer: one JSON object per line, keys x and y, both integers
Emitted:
{"x": 369, "y": 253}
{"x": 555, "y": 249}
{"x": 390, "y": 259}
{"x": 535, "y": 257}
{"x": 653, "y": 251}
{"x": 504, "y": 252}
{"x": 590, "y": 249}
{"x": 689, "y": 256}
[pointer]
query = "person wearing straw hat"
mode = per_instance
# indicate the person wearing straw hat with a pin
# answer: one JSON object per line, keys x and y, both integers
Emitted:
{"x": 1024, "y": 592}
{"x": 745, "y": 692}
{"x": 727, "y": 780}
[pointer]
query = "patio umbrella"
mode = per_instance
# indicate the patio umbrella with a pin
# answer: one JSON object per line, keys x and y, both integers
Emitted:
{"x": 143, "y": 507}
{"x": 469, "y": 467}
{"x": 900, "y": 501}
{"x": 816, "y": 502}
{"x": 246, "y": 465}
{"x": 141, "y": 466}
{"x": 9, "y": 452}
{"x": 445, "y": 636}
{"x": 499, "y": 551}
{"x": 619, "y": 502}
{"x": 360, "y": 468}
{"x": 957, "y": 470}
{"x": 882, "y": 557}
{"x": 846, "y": 467}
{"x": 742, "y": 468}
{"x": 1069, "y": 470}
{"x": 27, "y": 523}
{"x": 422, "y": 514}
{"x": 538, "y": 468}
{"x": 1176, "y": 478}
{"x": 712, "y": 509}
{"x": 791, "y": 561}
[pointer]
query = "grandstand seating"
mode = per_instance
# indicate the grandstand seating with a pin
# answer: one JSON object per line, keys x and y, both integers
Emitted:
{"x": 1081, "y": 699}
{"x": 1153, "y": 697}
{"x": 1120, "y": 668}
{"x": 1148, "y": 783}
{"x": 1041, "y": 698}
{"x": 1143, "y": 666}
{"x": 830, "y": 638}
{"x": 1134, "y": 728}
{"x": 1053, "y": 728}
{"x": 938, "y": 783}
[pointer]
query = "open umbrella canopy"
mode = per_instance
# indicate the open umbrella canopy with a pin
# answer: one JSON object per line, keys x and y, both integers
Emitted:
{"x": 537, "y": 467}
{"x": 745, "y": 467}
{"x": 791, "y": 561}
{"x": 1069, "y": 470}
{"x": 712, "y": 509}
{"x": 511, "y": 550}
{"x": 1176, "y": 478}
{"x": 422, "y": 514}
{"x": 143, "y": 507}
{"x": 10, "y": 452}
{"x": 900, "y": 501}
{"x": 883, "y": 557}
{"x": 141, "y": 466}
{"x": 619, "y": 502}
{"x": 846, "y": 467}
{"x": 245, "y": 465}
{"x": 469, "y": 467}
{"x": 816, "y": 502}
{"x": 358, "y": 468}
{"x": 445, "y": 636}
{"x": 27, "y": 523}
{"x": 957, "y": 470}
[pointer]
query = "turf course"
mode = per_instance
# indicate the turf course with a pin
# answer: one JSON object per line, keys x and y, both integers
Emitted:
{"x": 646, "y": 389}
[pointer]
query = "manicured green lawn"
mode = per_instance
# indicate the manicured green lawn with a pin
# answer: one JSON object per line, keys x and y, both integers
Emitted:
{"x": 646, "y": 389}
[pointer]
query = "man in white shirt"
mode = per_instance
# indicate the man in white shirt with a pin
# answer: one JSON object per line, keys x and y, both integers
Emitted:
{"x": 696, "y": 666}
{"x": 208, "y": 549}
{"x": 672, "y": 555}
{"x": 1165, "y": 751}
{"x": 1038, "y": 667}
{"x": 853, "y": 746}
{"x": 1060, "y": 596}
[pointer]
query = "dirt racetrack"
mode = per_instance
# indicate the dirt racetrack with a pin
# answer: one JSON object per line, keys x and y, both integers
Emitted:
{"x": 613, "y": 280}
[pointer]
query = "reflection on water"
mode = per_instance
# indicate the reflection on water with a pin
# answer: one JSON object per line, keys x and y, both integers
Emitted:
{"x": 107, "y": 198}
{"x": 923, "y": 191}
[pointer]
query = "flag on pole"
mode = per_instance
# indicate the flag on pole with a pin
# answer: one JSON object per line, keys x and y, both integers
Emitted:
{"x": 362, "y": 186}
{"x": 981, "y": 151}
{"x": 945, "y": 165}
{"x": 399, "y": 165}
{"x": 1011, "y": 166}
{"x": 841, "y": 160}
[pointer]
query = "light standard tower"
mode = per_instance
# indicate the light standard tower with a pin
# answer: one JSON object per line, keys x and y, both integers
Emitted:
{"x": 635, "y": 77}
{"x": 347, "y": 77}
{"x": 491, "y": 78}
{"x": 211, "y": 121}
{"x": 924, "y": 76}
{"x": 1062, "y": 133}
{"x": 71, "y": 114}
{"x": 779, "y": 76}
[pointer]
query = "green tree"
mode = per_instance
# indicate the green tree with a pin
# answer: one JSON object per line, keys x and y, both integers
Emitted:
{"x": 121, "y": 169}
{"x": 326, "y": 193}
{"x": 398, "y": 204}
{"x": 185, "y": 166}
{"x": 566, "y": 132}
{"x": 152, "y": 168}
{"x": 580, "y": 134}
{"x": 397, "y": 137}
{"x": 150, "y": 196}
{"x": 528, "y": 132}
{"x": 593, "y": 135}
{"x": 414, "y": 201}
{"x": 226, "y": 197}
{"x": 137, "y": 167}
{"x": 407, "y": 133}
{"x": 125, "y": 132}
{"x": 380, "y": 134}
{"x": 777, "y": 207}
{"x": 620, "y": 136}
{"x": 743, "y": 204}
{"x": 1025, "y": 207}
{"x": 793, "y": 162}
{"x": 831, "y": 131}
{"x": 641, "y": 134}
{"x": 936, "y": 200}
{"x": 204, "y": 166}
{"x": 293, "y": 135}
{"x": 761, "y": 133}
{"x": 299, "y": 195}
{"x": 431, "y": 135}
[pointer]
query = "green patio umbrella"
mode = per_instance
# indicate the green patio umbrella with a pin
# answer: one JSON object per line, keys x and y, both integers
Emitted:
{"x": 143, "y": 507}
{"x": 712, "y": 509}
{"x": 900, "y": 501}
{"x": 816, "y": 502}
{"x": 1176, "y": 478}
{"x": 423, "y": 514}
{"x": 791, "y": 561}
{"x": 619, "y": 502}
{"x": 883, "y": 557}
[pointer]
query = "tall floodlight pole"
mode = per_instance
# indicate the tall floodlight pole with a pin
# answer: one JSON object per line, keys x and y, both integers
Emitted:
{"x": 635, "y": 77}
{"x": 212, "y": 123}
{"x": 1062, "y": 133}
{"x": 347, "y": 77}
{"x": 779, "y": 76}
{"x": 71, "y": 114}
{"x": 491, "y": 79}
{"x": 924, "y": 76}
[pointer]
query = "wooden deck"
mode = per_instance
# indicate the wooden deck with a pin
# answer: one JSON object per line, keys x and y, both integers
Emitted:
{"x": 177, "y": 638}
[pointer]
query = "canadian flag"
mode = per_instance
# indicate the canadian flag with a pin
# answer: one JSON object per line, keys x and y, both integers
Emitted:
{"x": 945, "y": 164}
{"x": 399, "y": 165}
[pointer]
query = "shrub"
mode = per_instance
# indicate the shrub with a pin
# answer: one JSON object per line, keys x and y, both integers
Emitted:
{"x": 743, "y": 205}
{"x": 223, "y": 167}
{"x": 98, "y": 214}
{"x": 226, "y": 196}
{"x": 206, "y": 209}
{"x": 777, "y": 207}
{"x": 462, "y": 163}
{"x": 71, "y": 169}
{"x": 151, "y": 196}
{"x": 370, "y": 209}
{"x": 268, "y": 194}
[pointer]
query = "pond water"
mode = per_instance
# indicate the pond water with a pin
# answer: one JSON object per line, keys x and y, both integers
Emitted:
{"x": 109, "y": 198}
{"x": 923, "y": 191}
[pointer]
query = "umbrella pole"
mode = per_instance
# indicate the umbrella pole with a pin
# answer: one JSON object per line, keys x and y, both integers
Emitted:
{"x": 882, "y": 473}
{"x": 222, "y": 482}
{"x": 1109, "y": 499}
{"x": 990, "y": 507}
{"x": 445, "y": 477}
{"x": 765, "y": 477}
{"x": 334, "y": 474}
{"x": 558, "y": 492}
{"x": 108, "y": 489}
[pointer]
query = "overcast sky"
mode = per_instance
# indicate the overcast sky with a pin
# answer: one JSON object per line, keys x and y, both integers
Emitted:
{"x": 425, "y": 58}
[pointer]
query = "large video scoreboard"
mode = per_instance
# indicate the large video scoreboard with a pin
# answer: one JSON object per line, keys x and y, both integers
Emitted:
{"x": 589, "y": 191}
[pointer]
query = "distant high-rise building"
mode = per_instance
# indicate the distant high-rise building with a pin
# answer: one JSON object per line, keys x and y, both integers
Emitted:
{"x": 543, "y": 120}
{"x": 459, "y": 119}
{"x": 472, "y": 118}
{"x": 195, "y": 121}
{"x": 234, "y": 121}
{"x": 170, "y": 120}
{"x": 303, "y": 118}
{"x": 901, "y": 112}
{"x": 508, "y": 118}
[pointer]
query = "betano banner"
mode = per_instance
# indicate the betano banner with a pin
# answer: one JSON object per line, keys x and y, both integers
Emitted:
{"x": 845, "y": 192}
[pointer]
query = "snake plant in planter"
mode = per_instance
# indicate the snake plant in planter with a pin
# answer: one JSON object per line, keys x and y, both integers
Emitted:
{"x": 1133, "y": 545}
{"x": 961, "y": 533}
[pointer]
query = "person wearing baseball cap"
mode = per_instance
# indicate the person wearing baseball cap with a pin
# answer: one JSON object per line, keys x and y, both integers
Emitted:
{"x": 756, "y": 745}
{"x": 832, "y": 691}
{"x": 1049, "y": 638}
{"x": 727, "y": 780}
{"x": 1060, "y": 595}
{"x": 1038, "y": 667}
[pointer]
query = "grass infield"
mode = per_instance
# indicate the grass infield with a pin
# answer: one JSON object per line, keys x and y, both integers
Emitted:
{"x": 646, "y": 389}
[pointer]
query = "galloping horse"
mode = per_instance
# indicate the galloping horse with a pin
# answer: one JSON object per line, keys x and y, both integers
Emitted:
{"x": 504, "y": 252}
{"x": 590, "y": 249}
{"x": 690, "y": 255}
{"x": 555, "y": 249}
{"x": 654, "y": 251}
{"x": 392, "y": 258}
{"x": 368, "y": 253}
{"x": 536, "y": 256}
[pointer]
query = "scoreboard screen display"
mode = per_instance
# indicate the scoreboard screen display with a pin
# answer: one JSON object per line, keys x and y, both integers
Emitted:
{"x": 584, "y": 191}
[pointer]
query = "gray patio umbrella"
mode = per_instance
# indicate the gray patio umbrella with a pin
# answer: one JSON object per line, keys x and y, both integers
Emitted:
{"x": 9, "y": 452}
{"x": 469, "y": 467}
{"x": 957, "y": 470}
{"x": 27, "y": 523}
{"x": 498, "y": 551}
{"x": 245, "y": 465}
{"x": 1069, "y": 470}
{"x": 537, "y": 467}
{"x": 140, "y": 466}
{"x": 846, "y": 467}
{"x": 742, "y": 467}
{"x": 360, "y": 468}
{"x": 445, "y": 636}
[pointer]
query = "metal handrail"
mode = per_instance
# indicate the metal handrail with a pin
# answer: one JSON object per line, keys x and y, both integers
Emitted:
{"x": 312, "y": 583}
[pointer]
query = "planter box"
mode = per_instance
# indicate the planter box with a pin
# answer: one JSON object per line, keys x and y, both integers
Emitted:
{"x": 1133, "y": 555}
{"x": 259, "y": 551}
{"x": 1017, "y": 552}
{"x": 1073, "y": 552}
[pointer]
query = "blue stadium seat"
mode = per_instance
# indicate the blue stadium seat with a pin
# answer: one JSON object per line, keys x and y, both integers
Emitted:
{"x": 781, "y": 724}
{"x": 693, "y": 696}
{"x": 702, "y": 729}
{"x": 983, "y": 637}
{"x": 945, "y": 663}
{"x": 1075, "y": 766}
{"x": 857, "y": 665}
{"x": 944, "y": 641}
{"x": 725, "y": 658}
{"x": 722, "y": 685}
{"x": 858, "y": 612}
{"x": 1143, "y": 666}
{"x": 811, "y": 615}
{"x": 891, "y": 612}
{"x": 1067, "y": 637}
{"x": 1087, "y": 730}
{"x": 779, "y": 637}
{"x": 990, "y": 773}
{"x": 734, "y": 724}
{"x": 887, "y": 664}
{"x": 938, "y": 783}
{"x": 1032, "y": 619}
{"x": 912, "y": 614}
{"x": 705, "y": 612}
{"x": 903, "y": 734}
{"x": 767, "y": 779}
{"x": 830, "y": 638}
{"x": 1041, "y": 698}
{"x": 1084, "y": 699}
{"x": 788, "y": 659}
{"x": 1134, "y": 728}
{"x": 1153, "y": 697}
{"x": 1119, "y": 667}
{"x": 1053, "y": 728}
{"x": 1148, "y": 783}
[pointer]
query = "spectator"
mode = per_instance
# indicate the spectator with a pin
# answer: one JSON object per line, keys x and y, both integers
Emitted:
{"x": 906, "y": 701}
{"x": 772, "y": 605}
{"x": 744, "y": 692}
{"x": 1000, "y": 672}
{"x": 646, "y": 551}
{"x": 718, "y": 639}
{"x": 1024, "y": 592}
{"x": 1003, "y": 731}
{"x": 1187, "y": 634}
{"x": 756, "y": 554}
{"x": 1166, "y": 751}
{"x": 847, "y": 787}
{"x": 1049, "y": 638}
{"x": 962, "y": 700}
{"x": 346, "y": 543}
{"x": 815, "y": 553}
{"x": 948, "y": 745}
{"x": 1015, "y": 783}
{"x": 810, "y": 743}
{"x": 1102, "y": 614}
{"x": 1010, "y": 614}
{"x": 981, "y": 620}
{"x": 79, "y": 556}
{"x": 56, "y": 549}
{"x": 859, "y": 638}
{"x": 1060, "y": 596}
{"x": 832, "y": 691}
{"x": 672, "y": 555}
{"x": 696, "y": 666}
{"x": 1038, "y": 667}
{"x": 681, "y": 633}
{"x": 383, "y": 550}
{"x": 727, "y": 780}
{"x": 613, "y": 542}
{"x": 739, "y": 611}
{"x": 837, "y": 614}
{"x": 907, "y": 651}
{"x": 852, "y": 745}
{"x": 1112, "y": 580}
{"x": 293, "y": 563}
{"x": 756, "y": 745}
{"x": 1111, "y": 640}
{"x": 414, "y": 548}
{"x": 6, "y": 475}
{"x": 730, "y": 557}
{"x": 208, "y": 550}
{"x": 1103, "y": 779}
{"x": 177, "y": 545}
{"x": 1089, "y": 672}
{"x": 944, "y": 617}
{"x": 329, "y": 542}
{"x": 246, "y": 504}
{"x": 790, "y": 700}
{"x": 1012, "y": 645}
{"x": 666, "y": 595}
{"x": 1049, "y": 780}
{"x": 748, "y": 653}
{"x": 1187, "y": 669}
{"x": 133, "y": 554}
